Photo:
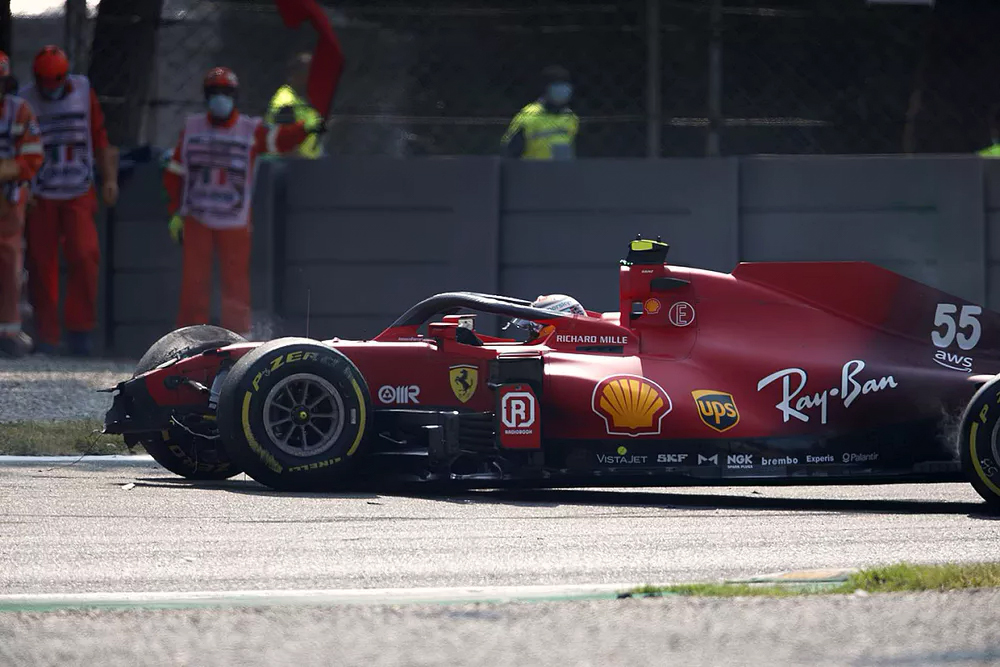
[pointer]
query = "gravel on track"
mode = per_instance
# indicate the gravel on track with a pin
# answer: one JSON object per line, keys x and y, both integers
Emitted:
{"x": 958, "y": 628}
{"x": 57, "y": 388}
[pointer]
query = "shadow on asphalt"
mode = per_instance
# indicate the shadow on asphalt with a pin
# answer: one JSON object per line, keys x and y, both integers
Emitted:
{"x": 730, "y": 502}
{"x": 246, "y": 487}
{"x": 606, "y": 498}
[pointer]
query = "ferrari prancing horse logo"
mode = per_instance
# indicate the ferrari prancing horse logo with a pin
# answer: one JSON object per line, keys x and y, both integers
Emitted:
{"x": 463, "y": 379}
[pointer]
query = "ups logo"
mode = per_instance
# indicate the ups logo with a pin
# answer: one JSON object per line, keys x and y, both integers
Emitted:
{"x": 717, "y": 409}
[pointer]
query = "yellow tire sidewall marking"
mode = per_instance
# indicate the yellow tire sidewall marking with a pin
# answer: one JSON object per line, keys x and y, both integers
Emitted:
{"x": 264, "y": 455}
{"x": 361, "y": 418}
{"x": 973, "y": 433}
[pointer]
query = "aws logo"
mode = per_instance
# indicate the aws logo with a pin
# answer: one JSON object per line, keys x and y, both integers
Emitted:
{"x": 717, "y": 409}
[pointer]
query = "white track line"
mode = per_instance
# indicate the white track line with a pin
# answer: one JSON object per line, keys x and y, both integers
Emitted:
{"x": 359, "y": 596}
{"x": 314, "y": 597}
{"x": 113, "y": 459}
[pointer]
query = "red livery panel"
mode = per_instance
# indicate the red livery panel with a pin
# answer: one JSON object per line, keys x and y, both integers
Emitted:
{"x": 796, "y": 370}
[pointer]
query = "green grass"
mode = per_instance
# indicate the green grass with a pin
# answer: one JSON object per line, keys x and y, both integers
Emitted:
{"x": 907, "y": 577}
{"x": 59, "y": 438}
{"x": 886, "y": 579}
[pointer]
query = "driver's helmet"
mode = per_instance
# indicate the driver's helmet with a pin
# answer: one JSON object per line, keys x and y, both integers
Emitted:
{"x": 560, "y": 303}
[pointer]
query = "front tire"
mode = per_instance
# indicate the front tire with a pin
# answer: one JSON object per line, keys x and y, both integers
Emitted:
{"x": 979, "y": 442}
{"x": 294, "y": 415}
{"x": 176, "y": 450}
{"x": 185, "y": 342}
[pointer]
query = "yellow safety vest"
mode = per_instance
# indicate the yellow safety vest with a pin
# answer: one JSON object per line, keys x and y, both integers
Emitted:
{"x": 543, "y": 131}
{"x": 286, "y": 97}
{"x": 992, "y": 151}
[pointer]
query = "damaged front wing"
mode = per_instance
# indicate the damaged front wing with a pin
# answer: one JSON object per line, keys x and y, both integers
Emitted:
{"x": 133, "y": 411}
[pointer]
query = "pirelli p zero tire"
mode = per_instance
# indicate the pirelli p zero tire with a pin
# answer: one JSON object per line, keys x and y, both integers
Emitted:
{"x": 979, "y": 442}
{"x": 186, "y": 342}
{"x": 294, "y": 414}
{"x": 175, "y": 449}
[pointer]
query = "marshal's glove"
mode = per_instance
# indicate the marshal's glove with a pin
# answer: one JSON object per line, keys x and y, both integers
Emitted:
{"x": 176, "y": 228}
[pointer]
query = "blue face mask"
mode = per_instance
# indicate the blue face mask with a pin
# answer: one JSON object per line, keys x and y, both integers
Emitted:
{"x": 220, "y": 106}
{"x": 53, "y": 94}
{"x": 560, "y": 93}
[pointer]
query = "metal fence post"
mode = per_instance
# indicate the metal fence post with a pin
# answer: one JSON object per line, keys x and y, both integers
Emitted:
{"x": 715, "y": 79}
{"x": 74, "y": 37}
{"x": 654, "y": 102}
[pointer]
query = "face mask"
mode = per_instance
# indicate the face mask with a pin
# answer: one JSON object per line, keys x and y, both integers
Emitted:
{"x": 559, "y": 93}
{"x": 53, "y": 94}
{"x": 220, "y": 106}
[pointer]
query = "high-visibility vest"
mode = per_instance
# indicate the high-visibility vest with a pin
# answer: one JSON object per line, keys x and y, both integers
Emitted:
{"x": 68, "y": 170}
{"x": 287, "y": 97}
{"x": 544, "y": 132}
{"x": 9, "y": 133}
{"x": 219, "y": 164}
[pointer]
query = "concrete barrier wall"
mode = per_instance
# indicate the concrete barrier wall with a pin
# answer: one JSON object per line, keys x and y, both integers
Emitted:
{"x": 923, "y": 218}
{"x": 353, "y": 242}
{"x": 565, "y": 226}
{"x": 364, "y": 239}
{"x": 991, "y": 254}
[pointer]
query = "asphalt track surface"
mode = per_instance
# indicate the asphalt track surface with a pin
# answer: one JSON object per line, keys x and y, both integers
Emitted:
{"x": 89, "y": 528}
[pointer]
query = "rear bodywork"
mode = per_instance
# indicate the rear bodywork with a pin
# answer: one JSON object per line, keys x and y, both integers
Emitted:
{"x": 801, "y": 372}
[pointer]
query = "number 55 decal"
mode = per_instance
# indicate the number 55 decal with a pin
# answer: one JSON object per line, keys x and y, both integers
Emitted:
{"x": 945, "y": 316}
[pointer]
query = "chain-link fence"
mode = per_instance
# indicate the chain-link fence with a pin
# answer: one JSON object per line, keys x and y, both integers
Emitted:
{"x": 652, "y": 77}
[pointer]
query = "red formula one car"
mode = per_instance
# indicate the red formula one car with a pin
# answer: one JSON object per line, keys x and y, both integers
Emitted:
{"x": 811, "y": 372}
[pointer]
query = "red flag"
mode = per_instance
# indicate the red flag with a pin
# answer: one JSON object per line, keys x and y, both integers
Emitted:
{"x": 328, "y": 59}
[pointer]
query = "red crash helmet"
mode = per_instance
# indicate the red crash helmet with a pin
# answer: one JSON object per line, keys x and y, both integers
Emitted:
{"x": 51, "y": 67}
{"x": 221, "y": 79}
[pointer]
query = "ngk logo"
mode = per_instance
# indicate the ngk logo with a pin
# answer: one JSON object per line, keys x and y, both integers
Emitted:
{"x": 517, "y": 410}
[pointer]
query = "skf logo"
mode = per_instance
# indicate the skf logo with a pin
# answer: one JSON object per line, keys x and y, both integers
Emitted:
{"x": 463, "y": 379}
{"x": 402, "y": 394}
{"x": 717, "y": 409}
{"x": 630, "y": 405}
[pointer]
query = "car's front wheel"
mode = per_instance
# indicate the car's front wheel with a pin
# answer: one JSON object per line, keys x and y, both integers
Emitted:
{"x": 293, "y": 414}
{"x": 176, "y": 449}
{"x": 979, "y": 442}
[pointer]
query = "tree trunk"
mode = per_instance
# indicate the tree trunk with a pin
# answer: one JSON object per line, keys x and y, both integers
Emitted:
{"x": 122, "y": 63}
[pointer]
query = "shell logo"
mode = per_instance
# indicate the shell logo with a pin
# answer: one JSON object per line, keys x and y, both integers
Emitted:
{"x": 652, "y": 306}
{"x": 630, "y": 405}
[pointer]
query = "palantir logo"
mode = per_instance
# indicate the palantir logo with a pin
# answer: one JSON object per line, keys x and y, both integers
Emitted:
{"x": 517, "y": 409}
